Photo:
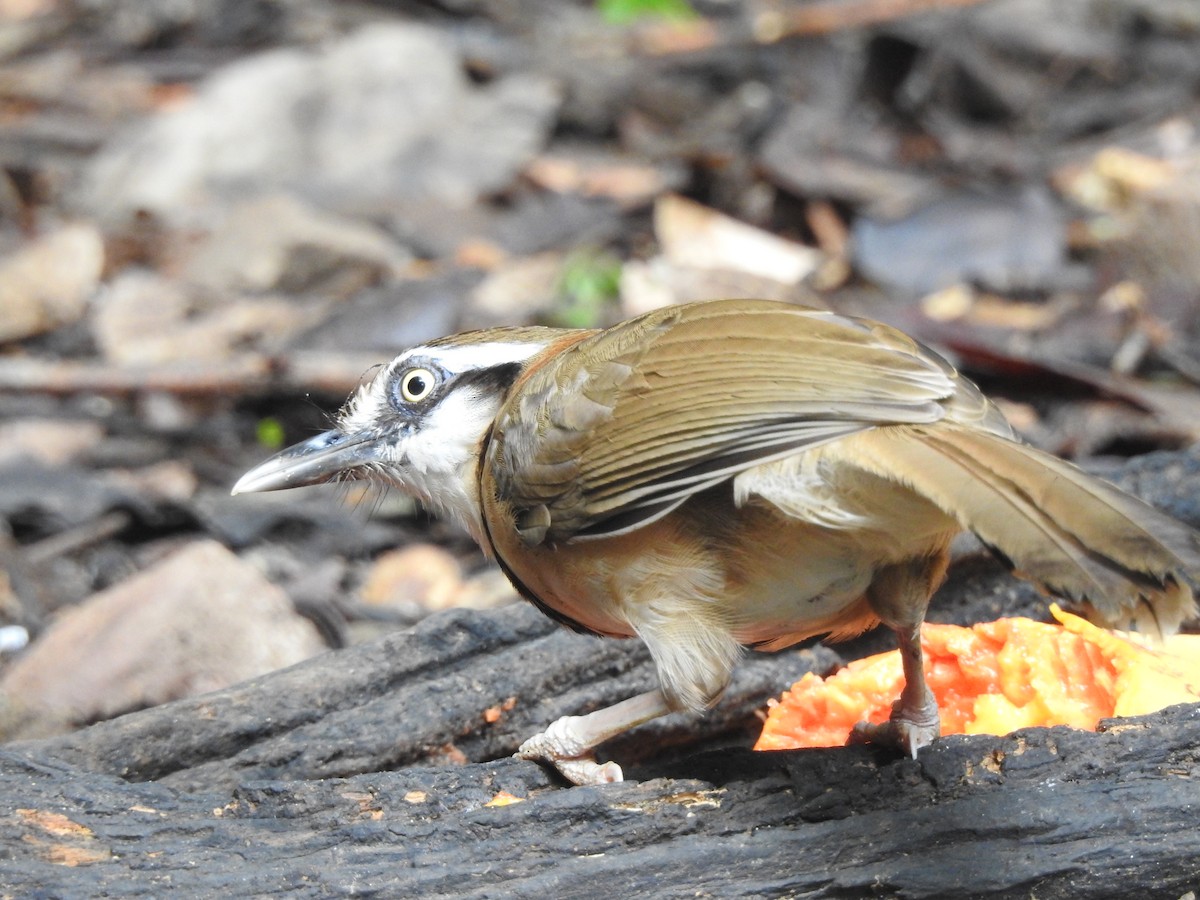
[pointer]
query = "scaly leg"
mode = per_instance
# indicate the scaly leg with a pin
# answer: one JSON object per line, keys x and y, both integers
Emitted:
{"x": 900, "y": 595}
{"x": 568, "y": 742}
{"x": 914, "y": 721}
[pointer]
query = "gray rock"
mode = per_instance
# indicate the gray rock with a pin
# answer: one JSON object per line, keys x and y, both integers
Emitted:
{"x": 201, "y": 619}
{"x": 278, "y": 243}
{"x": 1011, "y": 241}
{"x": 364, "y": 123}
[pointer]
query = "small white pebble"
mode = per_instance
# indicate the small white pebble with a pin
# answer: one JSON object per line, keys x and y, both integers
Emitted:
{"x": 13, "y": 638}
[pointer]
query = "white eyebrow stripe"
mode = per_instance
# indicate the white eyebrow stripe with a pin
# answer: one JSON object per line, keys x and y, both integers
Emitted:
{"x": 457, "y": 360}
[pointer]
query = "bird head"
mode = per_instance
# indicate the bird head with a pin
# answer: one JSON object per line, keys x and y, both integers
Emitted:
{"x": 418, "y": 424}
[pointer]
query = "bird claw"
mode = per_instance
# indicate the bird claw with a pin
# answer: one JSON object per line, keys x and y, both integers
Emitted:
{"x": 561, "y": 747}
{"x": 908, "y": 729}
{"x": 582, "y": 770}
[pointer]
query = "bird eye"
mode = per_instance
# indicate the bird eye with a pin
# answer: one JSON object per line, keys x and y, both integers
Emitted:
{"x": 416, "y": 385}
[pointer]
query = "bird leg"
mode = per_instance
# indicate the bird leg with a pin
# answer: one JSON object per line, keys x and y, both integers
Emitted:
{"x": 568, "y": 742}
{"x": 914, "y": 721}
{"x": 900, "y": 595}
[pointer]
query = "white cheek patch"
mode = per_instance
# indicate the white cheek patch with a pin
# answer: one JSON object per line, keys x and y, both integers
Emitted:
{"x": 438, "y": 461}
{"x": 450, "y": 433}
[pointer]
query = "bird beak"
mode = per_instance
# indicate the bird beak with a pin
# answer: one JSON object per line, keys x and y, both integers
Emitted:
{"x": 311, "y": 462}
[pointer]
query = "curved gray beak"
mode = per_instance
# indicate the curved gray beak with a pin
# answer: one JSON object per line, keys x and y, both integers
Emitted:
{"x": 311, "y": 462}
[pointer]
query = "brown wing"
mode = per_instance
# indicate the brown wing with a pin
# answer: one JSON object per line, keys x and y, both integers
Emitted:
{"x": 621, "y": 428}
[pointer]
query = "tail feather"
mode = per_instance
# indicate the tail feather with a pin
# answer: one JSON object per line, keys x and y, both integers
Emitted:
{"x": 1074, "y": 535}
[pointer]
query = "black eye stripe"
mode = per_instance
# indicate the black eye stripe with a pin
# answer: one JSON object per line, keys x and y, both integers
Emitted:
{"x": 497, "y": 378}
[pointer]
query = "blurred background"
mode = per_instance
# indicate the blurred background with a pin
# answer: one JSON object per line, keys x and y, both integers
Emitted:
{"x": 216, "y": 216}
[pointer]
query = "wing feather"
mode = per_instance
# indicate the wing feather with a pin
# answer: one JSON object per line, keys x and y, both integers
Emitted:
{"x": 621, "y": 428}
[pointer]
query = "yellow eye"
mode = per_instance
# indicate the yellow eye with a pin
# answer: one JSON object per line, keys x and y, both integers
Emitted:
{"x": 416, "y": 385}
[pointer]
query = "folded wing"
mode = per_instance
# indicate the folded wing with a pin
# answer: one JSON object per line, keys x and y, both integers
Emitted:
{"x": 625, "y": 426}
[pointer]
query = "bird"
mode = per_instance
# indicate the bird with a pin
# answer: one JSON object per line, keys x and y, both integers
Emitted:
{"x": 732, "y": 474}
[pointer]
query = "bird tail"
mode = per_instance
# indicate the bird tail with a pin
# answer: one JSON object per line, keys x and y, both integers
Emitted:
{"x": 1074, "y": 535}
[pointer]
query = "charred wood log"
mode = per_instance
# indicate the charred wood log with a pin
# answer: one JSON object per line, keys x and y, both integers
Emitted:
{"x": 321, "y": 779}
{"x": 1052, "y": 813}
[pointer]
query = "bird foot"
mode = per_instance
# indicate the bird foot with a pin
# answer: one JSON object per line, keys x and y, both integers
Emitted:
{"x": 562, "y": 747}
{"x": 907, "y": 729}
